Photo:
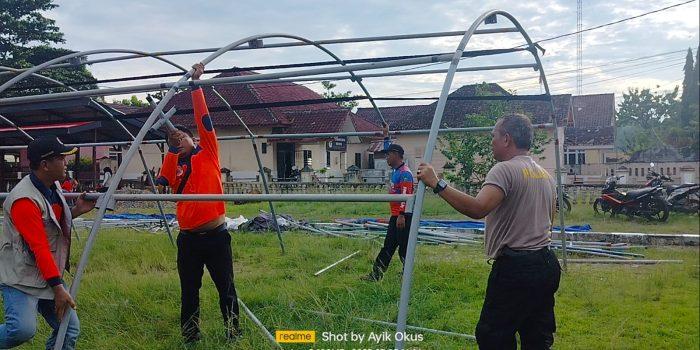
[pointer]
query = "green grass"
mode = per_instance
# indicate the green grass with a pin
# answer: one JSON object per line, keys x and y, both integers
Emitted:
{"x": 676, "y": 223}
{"x": 129, "y": 298}
{"x": 435, "y": 207}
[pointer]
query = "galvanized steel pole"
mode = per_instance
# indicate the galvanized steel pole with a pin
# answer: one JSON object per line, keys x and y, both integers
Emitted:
{"x": 261, "y": 170}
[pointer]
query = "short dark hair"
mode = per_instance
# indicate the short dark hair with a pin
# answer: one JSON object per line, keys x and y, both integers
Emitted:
{"x": 184, "y": 129}
{"x": 519, "y": 128}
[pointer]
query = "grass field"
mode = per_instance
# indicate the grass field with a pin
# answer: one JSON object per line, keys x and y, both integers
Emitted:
{"x": 435, "y": 207}
{"x": 129, "y": 298}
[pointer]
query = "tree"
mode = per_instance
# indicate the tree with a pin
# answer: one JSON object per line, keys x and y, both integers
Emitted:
{"x": 648, "y": 119}
{"x": 23, "y": 24}
{"x": 640, "y": 116}
{"x": 329, "y": 93}
{"x": 25, "y": 39}
{"x": 689, "y": 95}
{"x": 470, "y": 158}
{"x": 646, "y": 108}
{"x": 133, "y": 101}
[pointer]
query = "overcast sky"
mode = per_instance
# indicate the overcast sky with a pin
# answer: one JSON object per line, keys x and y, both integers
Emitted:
{"x": 175, "y": 25}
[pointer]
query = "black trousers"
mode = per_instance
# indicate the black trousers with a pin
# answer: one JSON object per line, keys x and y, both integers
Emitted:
{"x": 520, "y": 298}
{"x": 213, "y": 250}
{"x": 395, "y": 238}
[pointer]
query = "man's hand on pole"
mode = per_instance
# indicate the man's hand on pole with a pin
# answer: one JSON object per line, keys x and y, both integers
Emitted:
{"x": 198, "y": 71}
{"x": 62, "y": 301}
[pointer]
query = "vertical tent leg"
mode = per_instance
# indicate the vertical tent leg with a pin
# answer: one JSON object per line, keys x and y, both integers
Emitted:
{"x": 260, "y": 166}
{"x": 145, "y": 167}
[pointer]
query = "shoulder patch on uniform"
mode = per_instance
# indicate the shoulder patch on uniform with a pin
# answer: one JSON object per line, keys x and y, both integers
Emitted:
{"x": 206, "y": 121}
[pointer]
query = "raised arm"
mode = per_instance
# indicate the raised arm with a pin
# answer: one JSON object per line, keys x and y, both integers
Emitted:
{"x": 205, "y": 127}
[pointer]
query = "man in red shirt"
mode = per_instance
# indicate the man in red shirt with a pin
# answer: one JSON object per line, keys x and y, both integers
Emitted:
{"x": 191, "y": 168}
{"x": 35, "y": 248}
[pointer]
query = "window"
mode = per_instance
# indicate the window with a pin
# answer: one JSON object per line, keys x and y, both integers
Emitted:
{"x": 264, "y": 148}
{"x": 370, "y": 160}
{"x": 307, "y": 158}
{"x": 662, "y": 171}
{"x": 636, "y": 171}
{"x": 629, "y": 172}
{"x": 581, "y": 157}
{"x": 668, "y": 171}
{"x": 612, "y": 172}
{"x": 573, "y": 157}
{"x": 642, "y": 171}
{"x": 358, "y": 160}
{"x": 328, "y": 159}
{"x": 674, "y": 170}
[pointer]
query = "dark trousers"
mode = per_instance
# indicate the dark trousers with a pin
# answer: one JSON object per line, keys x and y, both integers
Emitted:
{"x": 213, "y": 250}
{"x": 394, "y": 238}
{"x": 520, "y": 298}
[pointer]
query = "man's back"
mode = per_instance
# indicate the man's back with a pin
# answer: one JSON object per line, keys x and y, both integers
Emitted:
{"x": 523, "y": 220}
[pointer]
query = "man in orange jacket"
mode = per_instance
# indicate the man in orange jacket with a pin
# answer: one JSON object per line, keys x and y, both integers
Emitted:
{"x": 191, "y": 168}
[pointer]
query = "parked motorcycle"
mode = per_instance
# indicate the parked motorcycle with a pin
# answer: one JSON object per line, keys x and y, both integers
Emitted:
{"x": 648, "y": 202}
{"x": 567, "y": 203}
{"x": 680, "y": 198}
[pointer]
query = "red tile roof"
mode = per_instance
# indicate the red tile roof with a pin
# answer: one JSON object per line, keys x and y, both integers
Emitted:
{"x": 323, "y": 117}
{"x": 316, "y": 121}
{"x": 593, "y": 111}
{"x": 421, "y": 116}
{"x": 602, "y": 136}
{"x": 363, "y": 125}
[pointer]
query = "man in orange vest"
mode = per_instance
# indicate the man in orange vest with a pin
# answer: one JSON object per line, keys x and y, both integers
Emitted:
{"x": 35, "y": 248}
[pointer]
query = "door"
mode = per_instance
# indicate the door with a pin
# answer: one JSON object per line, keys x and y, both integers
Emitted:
{"x": 285, "y": 160}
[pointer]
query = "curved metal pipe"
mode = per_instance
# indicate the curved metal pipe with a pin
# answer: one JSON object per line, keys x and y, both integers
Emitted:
{"x": 432, "y": 139}
{"x": 40, "y": 67}
{"x": 118, "y": 122}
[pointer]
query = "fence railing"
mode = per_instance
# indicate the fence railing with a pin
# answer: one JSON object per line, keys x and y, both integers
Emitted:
{"x": 303, "y": 187}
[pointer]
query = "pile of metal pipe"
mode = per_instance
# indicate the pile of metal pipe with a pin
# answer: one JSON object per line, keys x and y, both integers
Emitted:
{"x": 600, "y": 249}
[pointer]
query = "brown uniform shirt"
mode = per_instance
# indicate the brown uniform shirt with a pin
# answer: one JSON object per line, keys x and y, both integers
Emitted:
{"x": 523, "y": 220}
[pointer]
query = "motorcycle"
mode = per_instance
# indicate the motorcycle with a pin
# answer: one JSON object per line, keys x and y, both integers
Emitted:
{"x": 567, "y": 203}
{"x": 648, "y": 202}
{"x": 681, "y": 198}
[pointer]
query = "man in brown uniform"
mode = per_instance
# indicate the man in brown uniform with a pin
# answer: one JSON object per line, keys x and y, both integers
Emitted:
{"x": 518, "y": 201}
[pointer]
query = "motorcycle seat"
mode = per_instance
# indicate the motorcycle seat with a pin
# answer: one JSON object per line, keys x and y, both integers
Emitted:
{"x": 638, "y": 193}
{"x": 675, "y": 187}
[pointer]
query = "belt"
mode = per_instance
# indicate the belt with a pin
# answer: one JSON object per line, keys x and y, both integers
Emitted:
{"x": 203, "y": 232}
{"x": 518, "y": 253}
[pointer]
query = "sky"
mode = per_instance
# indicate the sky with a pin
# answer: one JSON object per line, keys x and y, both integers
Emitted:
{"x": 615, "y": 58}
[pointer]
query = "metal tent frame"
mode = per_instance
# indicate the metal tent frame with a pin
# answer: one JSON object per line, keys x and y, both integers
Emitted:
{"x": 414, "y": 202}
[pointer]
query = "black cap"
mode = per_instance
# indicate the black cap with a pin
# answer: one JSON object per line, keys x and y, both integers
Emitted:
{"x": 395, "y": 148}
{"x": 47, "y": 147}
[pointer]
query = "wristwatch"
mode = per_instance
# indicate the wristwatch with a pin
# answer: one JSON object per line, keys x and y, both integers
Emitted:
{"x": 441, "y": 186}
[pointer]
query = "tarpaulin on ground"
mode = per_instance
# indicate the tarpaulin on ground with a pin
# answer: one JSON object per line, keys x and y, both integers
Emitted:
{"x": 474, "y": 225}
{"x": 130, "y": 216}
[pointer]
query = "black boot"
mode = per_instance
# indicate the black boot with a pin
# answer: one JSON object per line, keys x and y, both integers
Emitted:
{"x": 375, "y": 276}
{"x": 233, "y": 330}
